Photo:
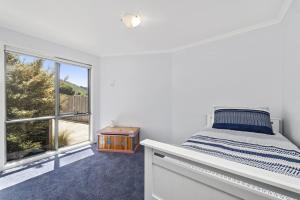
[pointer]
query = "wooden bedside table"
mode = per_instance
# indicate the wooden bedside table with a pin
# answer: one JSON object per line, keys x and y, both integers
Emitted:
{"x": 119, "y": 139}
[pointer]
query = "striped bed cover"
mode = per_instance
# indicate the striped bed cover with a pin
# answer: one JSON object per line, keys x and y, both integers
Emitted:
{"x": 269, "y": 152}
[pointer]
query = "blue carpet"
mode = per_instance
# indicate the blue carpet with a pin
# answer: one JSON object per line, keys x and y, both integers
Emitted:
{"x": 84, "y": 174}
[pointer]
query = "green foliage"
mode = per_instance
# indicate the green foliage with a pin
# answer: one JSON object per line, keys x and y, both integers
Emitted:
{"x": 30, "y": 90}
{"x": 66, "y": 89}
{"x": 30, "y": 93}
{"x": 11, "y": 59}
{"x": 63, "y": 138}
{"x": 23, "y": 139}
{"x": 79, "y": 90}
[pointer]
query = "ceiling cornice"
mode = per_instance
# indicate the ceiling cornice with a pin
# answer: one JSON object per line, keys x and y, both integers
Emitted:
{"x": 278, "y": 19}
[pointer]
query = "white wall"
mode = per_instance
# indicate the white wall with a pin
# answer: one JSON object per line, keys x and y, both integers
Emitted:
{"x": 291, "y": 97}
{"x": 15, "y": 39}
{"x": 244, "y": 70}
{"x": 169, "y": 95}
{"x": 136, "y": 91}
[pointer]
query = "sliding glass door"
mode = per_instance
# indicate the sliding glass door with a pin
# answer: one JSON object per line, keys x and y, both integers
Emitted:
{"x": 47, "y": 105}
{"x": 73, "y": 123}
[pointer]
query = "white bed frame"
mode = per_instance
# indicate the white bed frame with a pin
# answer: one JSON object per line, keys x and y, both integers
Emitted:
{"x": 176, "y": 173}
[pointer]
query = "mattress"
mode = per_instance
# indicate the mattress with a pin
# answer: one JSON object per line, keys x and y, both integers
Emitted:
{"x": 269, "y": 152}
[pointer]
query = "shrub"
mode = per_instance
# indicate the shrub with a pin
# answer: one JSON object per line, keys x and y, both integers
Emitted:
{"x": 66, "y": 89}
{"x": 63, "y": 138}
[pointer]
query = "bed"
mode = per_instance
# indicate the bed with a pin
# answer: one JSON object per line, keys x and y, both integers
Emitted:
{"x": 223, "y": 164}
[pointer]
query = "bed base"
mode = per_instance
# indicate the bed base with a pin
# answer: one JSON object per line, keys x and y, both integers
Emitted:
{"x": 175, "y": 173}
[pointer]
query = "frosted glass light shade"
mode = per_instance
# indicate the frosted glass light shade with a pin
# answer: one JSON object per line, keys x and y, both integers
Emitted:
{"x": 131, "y": 21}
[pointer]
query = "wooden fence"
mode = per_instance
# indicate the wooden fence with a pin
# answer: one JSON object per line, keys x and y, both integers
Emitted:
{"x": 75, "y": 104}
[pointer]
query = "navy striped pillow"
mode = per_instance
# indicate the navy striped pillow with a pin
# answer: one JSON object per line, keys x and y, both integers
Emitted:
{"x": 243, "y": 120}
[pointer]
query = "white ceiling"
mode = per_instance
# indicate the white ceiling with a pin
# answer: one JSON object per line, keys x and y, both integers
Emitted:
{"x": 94, "y": 26}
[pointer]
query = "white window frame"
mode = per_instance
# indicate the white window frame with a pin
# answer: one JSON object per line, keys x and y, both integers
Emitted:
{"x": 2, "y": 108}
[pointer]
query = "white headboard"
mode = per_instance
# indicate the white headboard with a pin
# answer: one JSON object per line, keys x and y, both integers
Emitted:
{"x": 276, "y": 123}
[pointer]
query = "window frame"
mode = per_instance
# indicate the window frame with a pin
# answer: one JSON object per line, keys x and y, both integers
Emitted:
{"x": 57, "y": 116}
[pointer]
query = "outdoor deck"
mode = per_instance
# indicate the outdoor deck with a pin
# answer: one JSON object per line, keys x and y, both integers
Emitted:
{"x": 78, "y": 131}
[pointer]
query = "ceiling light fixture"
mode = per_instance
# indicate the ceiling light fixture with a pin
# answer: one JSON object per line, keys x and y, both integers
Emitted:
{"x": 131, "y": 21}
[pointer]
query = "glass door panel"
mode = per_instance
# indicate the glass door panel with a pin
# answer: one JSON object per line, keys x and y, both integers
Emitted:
{"x": 73, "y": 130}
{"x": 30, "y": 94}
{"x": 30, "y": 90}
{"x": 74, "y": 92}
{"x": 26, "y": 139}
{"x": 73, "y": 125}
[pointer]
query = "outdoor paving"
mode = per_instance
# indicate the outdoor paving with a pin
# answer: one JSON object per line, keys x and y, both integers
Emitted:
{"x": 79, "y": 132}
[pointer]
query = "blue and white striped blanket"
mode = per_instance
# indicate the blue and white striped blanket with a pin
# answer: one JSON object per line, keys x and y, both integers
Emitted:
{"x": 269, "y": 152}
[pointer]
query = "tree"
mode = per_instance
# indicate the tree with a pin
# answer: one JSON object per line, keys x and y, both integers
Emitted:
{"x": 30, "y": 93}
